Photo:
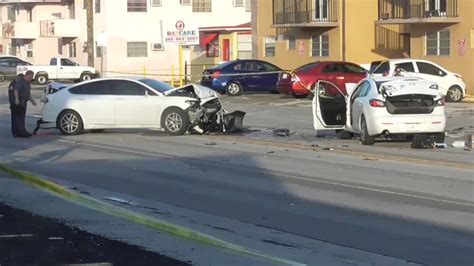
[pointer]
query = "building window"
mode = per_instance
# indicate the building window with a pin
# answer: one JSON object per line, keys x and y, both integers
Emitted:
{"x": 72, "y": 50}
{"x": 71, "y": 10}
{"x": 244, "y": 46}
{"x": 98, "y": 51}
{"x": 320, "y": 46}
{"x": 291, "y": 43}
{"x": 136, "y": 5}
{"x": 238, "y": 2}
{"x": 155, "y": 2}
{"x": 269, "y": 46}
{"x": 137, "y": 49}
{"x": 212, "y": 48}
{"x": 248, "y": 5}
{"x": 11, "y": 14}
{"x": 29, "y": 50}
{"x": 202, "y": 5}
{"x": 185, "y": 2}
{"x": 97, "y": 6}
{"x": 438, "y": 43}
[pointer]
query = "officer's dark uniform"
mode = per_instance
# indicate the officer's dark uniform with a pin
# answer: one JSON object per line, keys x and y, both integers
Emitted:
{"x": 19, "y": 111}
{"x": 11, "y": 99}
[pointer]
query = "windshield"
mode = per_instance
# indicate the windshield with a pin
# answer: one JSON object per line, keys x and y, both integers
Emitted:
{"x": 157, "y": 85}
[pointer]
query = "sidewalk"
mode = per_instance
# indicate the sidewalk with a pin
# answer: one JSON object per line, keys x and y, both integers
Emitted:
{"x": 27, "y": 239}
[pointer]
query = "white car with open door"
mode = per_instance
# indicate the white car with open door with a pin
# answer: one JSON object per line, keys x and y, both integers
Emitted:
{"x": 381, "y": 106}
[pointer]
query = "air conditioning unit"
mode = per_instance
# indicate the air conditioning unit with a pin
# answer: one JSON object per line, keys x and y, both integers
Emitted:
{"x": 157, "y": 46}
{"x": 29, "y": 47}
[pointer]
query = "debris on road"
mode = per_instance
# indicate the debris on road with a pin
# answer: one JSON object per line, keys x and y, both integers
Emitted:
{"x": 328, "y": 149}
{"x": 421, "y": 141}
{"x": 210, "y": 144}
{"x": 281, "y": 132}
{"x": 441, "y": 145}
{"x": 469, "y": 140}
{"x": 119, "y": 200}
{"x": 458, "y": 144}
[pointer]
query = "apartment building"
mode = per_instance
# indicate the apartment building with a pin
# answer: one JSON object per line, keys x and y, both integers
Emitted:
{"x": 134, "y": 31}
{"x": 291, "y": 33}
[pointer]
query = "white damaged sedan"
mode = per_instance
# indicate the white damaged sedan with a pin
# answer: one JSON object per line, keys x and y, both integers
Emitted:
{"x": 381, "y": 106}
{"x": 109, "y": 103}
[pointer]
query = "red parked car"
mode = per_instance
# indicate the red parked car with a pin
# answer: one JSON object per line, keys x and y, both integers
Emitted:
{"x": 338, "y": 73}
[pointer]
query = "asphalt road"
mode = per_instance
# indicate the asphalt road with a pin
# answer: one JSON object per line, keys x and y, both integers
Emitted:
{"x": 405, "y": 205}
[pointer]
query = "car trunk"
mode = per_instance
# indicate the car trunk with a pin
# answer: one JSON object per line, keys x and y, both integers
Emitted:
{"x": 411, "y": 104}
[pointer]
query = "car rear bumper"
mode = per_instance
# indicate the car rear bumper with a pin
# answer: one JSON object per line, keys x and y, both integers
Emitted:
{"x": 406, "y": 124}
{"x": 292, "y": 88}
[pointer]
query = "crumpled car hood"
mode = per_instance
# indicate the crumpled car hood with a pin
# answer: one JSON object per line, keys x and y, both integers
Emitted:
{"x": 205, "y": 94}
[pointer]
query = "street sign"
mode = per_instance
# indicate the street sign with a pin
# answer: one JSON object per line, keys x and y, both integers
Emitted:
{"x": 102, "y": 39}
{"x": 182, "y": 34}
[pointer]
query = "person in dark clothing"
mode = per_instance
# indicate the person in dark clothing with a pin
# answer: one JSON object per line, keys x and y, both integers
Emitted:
{"x": 11, "y": 99}
{"x": 22, "y": 95}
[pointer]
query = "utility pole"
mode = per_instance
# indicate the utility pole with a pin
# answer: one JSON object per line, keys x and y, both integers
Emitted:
{"x": 90, "y": 32}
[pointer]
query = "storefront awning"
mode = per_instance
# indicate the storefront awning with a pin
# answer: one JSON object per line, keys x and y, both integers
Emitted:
{"x": 207, "y": 38}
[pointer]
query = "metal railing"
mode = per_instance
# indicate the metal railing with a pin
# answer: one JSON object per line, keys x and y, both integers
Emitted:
{"x": 407, "y": 9}
{"x": 304, "y": 11}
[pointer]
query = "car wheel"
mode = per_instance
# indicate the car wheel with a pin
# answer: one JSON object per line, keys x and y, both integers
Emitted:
{"x": 342, "y": 134}
{"x": 454, "y": 94}
{"x": 97, "y": 130}
{"x": 86, "y": 76}
{"x": 175, "y": 121}
{"x": 2, "y": 77}
{"x": 439, "y": 137}
{"x": 70, "y": 123}
{"x": 41, "y": 79}
{"x": 234, "y": 89}
{"x": 365, "y": 138}
{"x": 300, "y": 96}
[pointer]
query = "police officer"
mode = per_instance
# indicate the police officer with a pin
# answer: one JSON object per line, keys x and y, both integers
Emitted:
{"x": 21, "y": 95}
{"x": 11, "y": 99}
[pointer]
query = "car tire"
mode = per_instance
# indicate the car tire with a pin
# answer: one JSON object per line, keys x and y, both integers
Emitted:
{"x": 95, "y": 131}
{"x": 454, "y": 94}
{"x": 365, "y": 138}
{"x": 175, "y": 121}
{"x": 70, "y": 123}
{"x": 300, "y": 96}
{"x": 2, "y": 77}
{"x": 234, "y": 89}
{"x": 41, "y": 79}
{"x": 342, "y": 134}
{"x": 85, "y": 76}
{"x": 439, "y": 137}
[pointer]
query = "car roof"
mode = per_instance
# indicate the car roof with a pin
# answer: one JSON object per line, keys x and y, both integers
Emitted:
{"x": 403, "y": 60}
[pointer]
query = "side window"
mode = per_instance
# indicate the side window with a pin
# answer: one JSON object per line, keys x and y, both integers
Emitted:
{"x": 93, "y": 88}
{"x": 4, "y": 64}
{"x": 379, "y": 67}
{"x": 408, "y": 67}
{"x": 362, "y": 90}
{"x": 427, "y": 68}
{"x": 268, "y": 67}
{"x": 238, "y": 66}
{"x": 122, "y": 87}
{"x": 332, "y": 68}
{"x": 251, "y": 66}
{"x": 66, "y": 62}
{"x": 53, "y": 62}
{"x": 350, "y": 68}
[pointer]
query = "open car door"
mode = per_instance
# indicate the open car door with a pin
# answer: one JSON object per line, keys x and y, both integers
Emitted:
{"x": 329, "y": 107}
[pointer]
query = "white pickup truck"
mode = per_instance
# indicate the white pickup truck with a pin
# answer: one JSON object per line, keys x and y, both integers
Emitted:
{"x": 59, "y": 69}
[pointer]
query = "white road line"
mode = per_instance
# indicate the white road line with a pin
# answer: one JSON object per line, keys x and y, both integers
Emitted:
{"x": 383, "y": 191}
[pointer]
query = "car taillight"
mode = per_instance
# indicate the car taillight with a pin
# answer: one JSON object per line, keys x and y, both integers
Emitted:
{"x": 441, "y": 102}
{"x": 377, "y": 103}
{"x": 216, "y": 74}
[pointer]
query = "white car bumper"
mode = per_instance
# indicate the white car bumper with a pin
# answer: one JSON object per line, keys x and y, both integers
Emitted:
{"x": 406, "y": 124}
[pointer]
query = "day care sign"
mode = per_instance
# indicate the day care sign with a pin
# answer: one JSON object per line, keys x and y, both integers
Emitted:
{"x": 182, "y": 34}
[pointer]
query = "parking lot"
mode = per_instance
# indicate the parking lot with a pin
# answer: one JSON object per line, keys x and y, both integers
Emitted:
{"x": 289, "y": 196}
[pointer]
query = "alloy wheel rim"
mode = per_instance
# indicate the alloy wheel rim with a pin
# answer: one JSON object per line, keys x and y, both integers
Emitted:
{"x": 455, "y": 94}
{"x": 234, "y": 88}
{"x": 41, "y": 79}
{"x": 86, "y": 77}
{"x": 174, "y": 122}
{"x": 69, "y": 123}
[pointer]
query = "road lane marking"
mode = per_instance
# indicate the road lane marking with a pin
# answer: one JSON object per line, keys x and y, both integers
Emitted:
{"x": 341, "y": 151}
{"x": 267, "y": 172}
{"x": 139, "y": 218}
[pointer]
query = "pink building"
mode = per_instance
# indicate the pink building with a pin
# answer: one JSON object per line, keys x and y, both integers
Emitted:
{"x": 135, "y": 30}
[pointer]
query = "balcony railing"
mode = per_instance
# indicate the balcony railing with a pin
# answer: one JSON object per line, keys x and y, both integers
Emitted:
{"x": 417, "y": 9}
{"x": 60, "y": 28}
{"x": 308, "y": 12}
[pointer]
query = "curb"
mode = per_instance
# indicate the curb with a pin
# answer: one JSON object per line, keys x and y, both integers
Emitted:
{"x": 135, "y": 217}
